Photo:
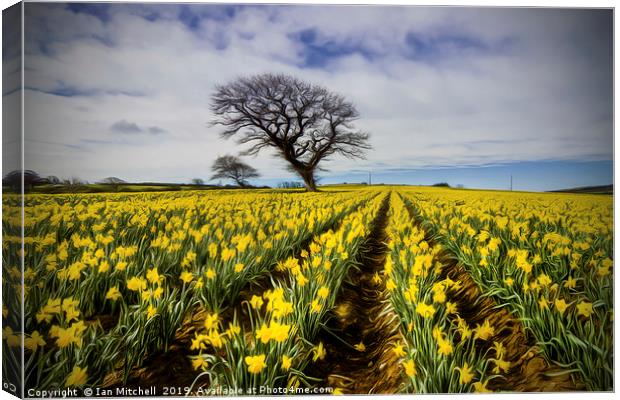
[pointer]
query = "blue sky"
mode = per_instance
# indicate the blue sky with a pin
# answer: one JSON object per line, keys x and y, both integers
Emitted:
{"x": 550, "y": 175}
{"x": 464, "y": 95}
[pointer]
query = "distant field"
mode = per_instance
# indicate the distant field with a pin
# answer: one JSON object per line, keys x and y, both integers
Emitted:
{"x": 446, "y": 290}
{"x": 109, "y": 188}
{"x": 605, "y": 189}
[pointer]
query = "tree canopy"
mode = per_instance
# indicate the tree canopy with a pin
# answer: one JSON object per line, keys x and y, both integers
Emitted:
{"x": 231, "y": 167}
{"x": 305, "y": 123}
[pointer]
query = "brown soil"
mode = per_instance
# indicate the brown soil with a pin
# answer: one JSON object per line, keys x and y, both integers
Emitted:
{"x": 362, "y": 316}
{"x": 529, "y": 371}
{"x": 105, "y": 321}
{"x": 165, "y": 368}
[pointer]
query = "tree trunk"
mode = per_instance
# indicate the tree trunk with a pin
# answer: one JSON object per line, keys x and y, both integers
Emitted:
{"x": 241, "y": 183}
{"x": 308, "y": 177}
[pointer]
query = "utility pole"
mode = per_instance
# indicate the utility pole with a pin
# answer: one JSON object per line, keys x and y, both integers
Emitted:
{"x": 369, "y": 178}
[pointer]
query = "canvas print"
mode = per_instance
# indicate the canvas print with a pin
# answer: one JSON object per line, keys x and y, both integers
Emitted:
{"x": 229, "y": 199}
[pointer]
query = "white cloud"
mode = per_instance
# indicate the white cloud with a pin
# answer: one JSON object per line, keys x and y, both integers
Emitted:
{"x": 537, "y": 87}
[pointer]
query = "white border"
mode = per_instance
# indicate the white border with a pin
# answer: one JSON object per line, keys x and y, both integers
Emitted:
{"x": 478, "y": 3}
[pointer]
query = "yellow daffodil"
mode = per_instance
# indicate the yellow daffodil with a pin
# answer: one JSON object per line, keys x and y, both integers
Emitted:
{"x": 444, "y": 347}
{"x": 425, "y": 310}
{"x": 186, "y": 276}
{"x": 199, "y": 363}
{"x": 151, "y": 311}
{"x": 484, "y": 331}
{"x": 316, "y": 306}
{"x": 233, "y": 329}
{"x": 255, "y": 363}
{"x": 570, "y": 283}
{"x": 410, "y": 368}
{"x": 465, "y": 374}
{"x": 256, "y": 302}
{"x": 113, "y": 294}
{"x": 398, "y": 350}
{"x": 286, "y": 363}
{"x": 301, "y": 280}
{"x": 77, "y": 377}
{"x": 263, "y": 333}
{"x": 136, "y": 284}
{"x": 211, "y": 321}
{"x": 11, "y": 338}
{"x": 279, "y": 332}
{"x": 584, "y": 308}
{"x": 319, "y": 352}
{"x": 153, "y": 276}
{"x": 501, "y": 366}
{"x": 481, "y": 387}
{"x": 560, "y": 305}
{"x": 33, "y": 342}
{"x": 500, "y": 350}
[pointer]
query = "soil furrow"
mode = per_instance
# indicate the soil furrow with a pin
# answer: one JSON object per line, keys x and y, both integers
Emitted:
{"x": 529, "y": 371}
{"x": 361, "y": 318}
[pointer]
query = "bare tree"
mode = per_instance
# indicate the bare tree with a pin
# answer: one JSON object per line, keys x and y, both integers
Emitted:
{"x": 75, "y": 181}
{"x": 30, "y": 179}
{"x": 112, "y": 180}
{"x": 53, "y": 179}
{"x": 304, "y": 122}
{"x": 231, "y": 167}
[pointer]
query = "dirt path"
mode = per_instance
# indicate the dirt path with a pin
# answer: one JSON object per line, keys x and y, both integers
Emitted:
{"x": 361, "y": 317}
{"x": 529, "y": 371}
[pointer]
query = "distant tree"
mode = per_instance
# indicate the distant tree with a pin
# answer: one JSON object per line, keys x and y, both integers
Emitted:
{"x": 441, "y": 184}
{"x": 305, "y": 123}
{"x": 112, "y": 180}
{"x": 198, "y": 181}
{"x": 53, "y": 179}
{"x": 30, "y": 179}
{"x": 75, "y": 181}
{"x": 231, "y": 167}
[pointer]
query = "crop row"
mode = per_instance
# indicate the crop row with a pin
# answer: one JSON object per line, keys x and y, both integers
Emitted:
{"x": 441, "y": 352}
{"x": 548, "y": 258}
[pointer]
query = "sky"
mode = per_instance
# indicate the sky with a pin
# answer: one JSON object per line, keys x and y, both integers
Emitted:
{"x": 460, "y": 95}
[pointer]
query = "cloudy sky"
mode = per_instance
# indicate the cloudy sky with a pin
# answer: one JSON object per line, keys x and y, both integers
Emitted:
{"x": 464, "y": 95}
